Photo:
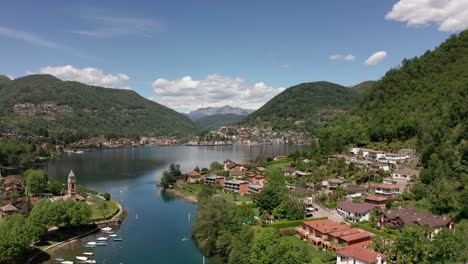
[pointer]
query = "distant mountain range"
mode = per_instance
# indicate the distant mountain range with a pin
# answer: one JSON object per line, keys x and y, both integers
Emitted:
{"x": 225, "y": 110}
{"x": 215, "y": 121}
{"x": 45, "y": 105}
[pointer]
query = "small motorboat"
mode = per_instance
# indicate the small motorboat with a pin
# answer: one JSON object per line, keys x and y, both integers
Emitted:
{"x": 109, "y": 232}
{"x": 101, "y": 244}
{"x": 184, "y": 239}
{"x": 67, "y": 262}
{"x": 59, "y": 259}
{"x": 88, "y": 253}
{"x": 92, "y": 243}
{"x": 113, "y": 235}
{"x": 89, "y": 246}
{"x": 90, "y": 261}
{"x": 106, "y": 229}
{"x": 102, "y": 238}
{"x": 83, "y": 258}
{"x": 117, "y": 239}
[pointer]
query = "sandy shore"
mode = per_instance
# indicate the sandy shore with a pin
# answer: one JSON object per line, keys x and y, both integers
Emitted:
{"x": 188, "y": 198}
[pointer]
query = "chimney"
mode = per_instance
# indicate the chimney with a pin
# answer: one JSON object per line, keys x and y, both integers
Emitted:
{"x": 379, "y": 259}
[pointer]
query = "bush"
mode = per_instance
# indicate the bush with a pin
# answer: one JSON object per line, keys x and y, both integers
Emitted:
{"x": 284, "y": 224}
{"x": 106, "y": 196}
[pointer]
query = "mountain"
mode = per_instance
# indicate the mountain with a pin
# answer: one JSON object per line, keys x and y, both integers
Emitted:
{"x": 363, "y": 86}
{"x": 214, "y": 121}
{"x": 307, "y": 107}
{"x": 225, "y": 110}
{"x": 423, "y": 103}
{"x": 44, "y": 104}
{"x": 4, "y": 79}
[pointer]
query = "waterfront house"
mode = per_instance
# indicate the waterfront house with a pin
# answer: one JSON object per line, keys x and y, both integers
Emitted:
{"x": 237, "y": 186}
{"x": 400, "y": 217}
{"x": 236, "y": 172}
{"x": 387, "y": 190}
{"x": 214, "y": 180}
{"x": 193, "y": 177}
{"x": 378, "y": 201}
{"x": 360, "y": 255}
{"x": 354, "y": 212}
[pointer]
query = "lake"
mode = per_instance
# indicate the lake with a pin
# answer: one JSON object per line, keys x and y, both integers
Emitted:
{"x": 156, "y": 223}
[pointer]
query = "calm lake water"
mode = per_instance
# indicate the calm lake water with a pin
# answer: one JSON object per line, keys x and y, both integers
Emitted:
{"x": 156, "y": 223}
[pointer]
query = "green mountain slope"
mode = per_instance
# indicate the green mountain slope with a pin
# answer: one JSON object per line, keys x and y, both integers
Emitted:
{"x": 214, "y": 121}
{"x": 424, "y": 104}
{"x": 306, "y": 107}
{"x": 45, "y": 104}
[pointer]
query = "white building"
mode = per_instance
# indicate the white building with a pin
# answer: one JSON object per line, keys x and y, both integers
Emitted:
{"x": 360, "y": 255}
{"x": 354, "y": 212}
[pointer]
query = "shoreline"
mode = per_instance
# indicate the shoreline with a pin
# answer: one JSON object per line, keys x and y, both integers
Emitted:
{"x": 179, "y": 194}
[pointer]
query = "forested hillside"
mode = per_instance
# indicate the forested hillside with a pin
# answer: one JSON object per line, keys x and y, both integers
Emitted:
{"x": 422, "y": 103}
{"x": 43, "y": 104}
{"x": 305, "y": 107}
{"x": 214, "y": 121}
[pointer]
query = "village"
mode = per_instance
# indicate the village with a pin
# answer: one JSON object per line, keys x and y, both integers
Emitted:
{"x": 237, "y": 134}
{"x": 345, "y": 214}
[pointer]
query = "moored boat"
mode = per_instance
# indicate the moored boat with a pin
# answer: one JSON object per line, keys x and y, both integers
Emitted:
{"x": 102, "y": 238}
{"x": 91, "y": 243}
{"x": 117, "y": 239}
{"x": 67, "y": 262}
{"x": 101, "y": 244}
{"x": 88, "y": 253}
{"x": 59, "y": 259}
{"x": 113, "y": 235}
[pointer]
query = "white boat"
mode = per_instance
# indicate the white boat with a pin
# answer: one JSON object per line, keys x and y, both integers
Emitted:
{"x": 81, "y": 258}
{"x": 113, "y": 235}
{"x": 79, "y": 152}
{"x": 67, "y": 262}
{"x": 92, "y": 243}
{"x": 88, "y": 253}
{"x": 90, "y": 261}
{"x": 106, "y": 229}
{"x": 102, "y": 238}
{"x": 185, "y": 239}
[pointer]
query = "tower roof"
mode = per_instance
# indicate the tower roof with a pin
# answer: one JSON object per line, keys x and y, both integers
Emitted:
{"x": 71, "y": 174}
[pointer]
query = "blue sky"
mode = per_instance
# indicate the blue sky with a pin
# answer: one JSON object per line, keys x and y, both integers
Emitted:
{"x": 190, "y": 54}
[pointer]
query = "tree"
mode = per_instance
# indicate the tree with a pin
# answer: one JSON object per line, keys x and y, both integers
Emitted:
{"x": 214, "y": 166}
{"x": 445, "y": 248}
{"x": 106, "y": 196}
{"x": 36, "y": 181}
{"x": 241, "y": 247}
{"x": 265, "y": 247}
{"x": 412, "y": 245}
{"x": 15, "y": 236}
{"x": 274, "y": 192}
{"x": 55, "y": 187}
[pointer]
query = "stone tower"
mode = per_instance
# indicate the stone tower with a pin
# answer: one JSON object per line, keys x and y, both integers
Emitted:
{"x": 71, "y": 183}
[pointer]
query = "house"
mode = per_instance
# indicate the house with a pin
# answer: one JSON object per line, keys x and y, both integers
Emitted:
{"x": 290, "y": 171}
{"x": 384, "y": 189}
{"x": 396, "y": 157}
{"x": 193, "y": 177}
{"x": 378, "y": 201}
{"x": 360, "y": 255}
{"x": 8, "y": 209}
{"x": 364, "y": 153}
{"x": 261, "y": 170}
{"x": 400, "y": 217}
{"x": 236, "y": 172}
{"x": 257, "y": 179}
{"x": 331, "y": 235}
{"x": 227, "y": 163}
{"x": 237, "y": 186}
{"x": 214, "y": 180}
{"x": 255, "y": 188}
{"x": 354, "y": 151}
{"x": 405, "y": 174}
{"x": 355, "y": 191}
{"x": 376, "y": 155}
{"x": 332, "y": 184}
{"x": 354, "y": 212}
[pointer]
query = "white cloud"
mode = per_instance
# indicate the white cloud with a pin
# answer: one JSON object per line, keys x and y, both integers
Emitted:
{"x": 376, "y": 58}
{"x": 187, "y": 94}
{"x": 110, "y": 26}
{"x": 339, "y": 57}
{"x": 449, "y": 15}
{"x": 89, "y": 75}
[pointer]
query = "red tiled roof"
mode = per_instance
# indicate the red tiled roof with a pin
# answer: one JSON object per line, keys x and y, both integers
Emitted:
{"x": 261, "y": 169}
{"x": 419, "y": 217}
{"x": 9, "y": 208}
{"x": 355, "y": 207}
{"x": 194, "y": 174}
{"x": 344, "y": 233}
{"x": 376, "y": 198}
{"x": 318, "y": 223}
{"x": 363, "y": 254}
{"x": 387, "y": 186}
{"x": 356, "y": 236}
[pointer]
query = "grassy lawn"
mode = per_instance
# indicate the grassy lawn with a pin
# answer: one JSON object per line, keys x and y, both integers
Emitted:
{"x": 317, "y": 256}
{"x": 277, "y": 164}
{"x": 102, "y": 209}
{"x": 194, "y": 189}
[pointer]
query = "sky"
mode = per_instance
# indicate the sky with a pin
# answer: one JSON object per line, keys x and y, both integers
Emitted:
{"x": 187, "y": 54}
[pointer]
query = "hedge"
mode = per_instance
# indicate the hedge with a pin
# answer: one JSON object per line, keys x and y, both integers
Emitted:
{"x": 374, "y": 230}
{"x": 293, "y": 223}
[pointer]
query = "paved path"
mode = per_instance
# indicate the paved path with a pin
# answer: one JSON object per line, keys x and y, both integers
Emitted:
{"x": 330, "y": 213}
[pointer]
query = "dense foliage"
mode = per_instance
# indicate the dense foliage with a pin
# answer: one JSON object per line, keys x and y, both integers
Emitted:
{"x": 214, "y": 121}
{"x": 316, "y": 103}
{"x": 85, "y": 109}
{"x": 170, "y": 177}
{"x": 422, "y": 103}
{"x": 19, "y": 154}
